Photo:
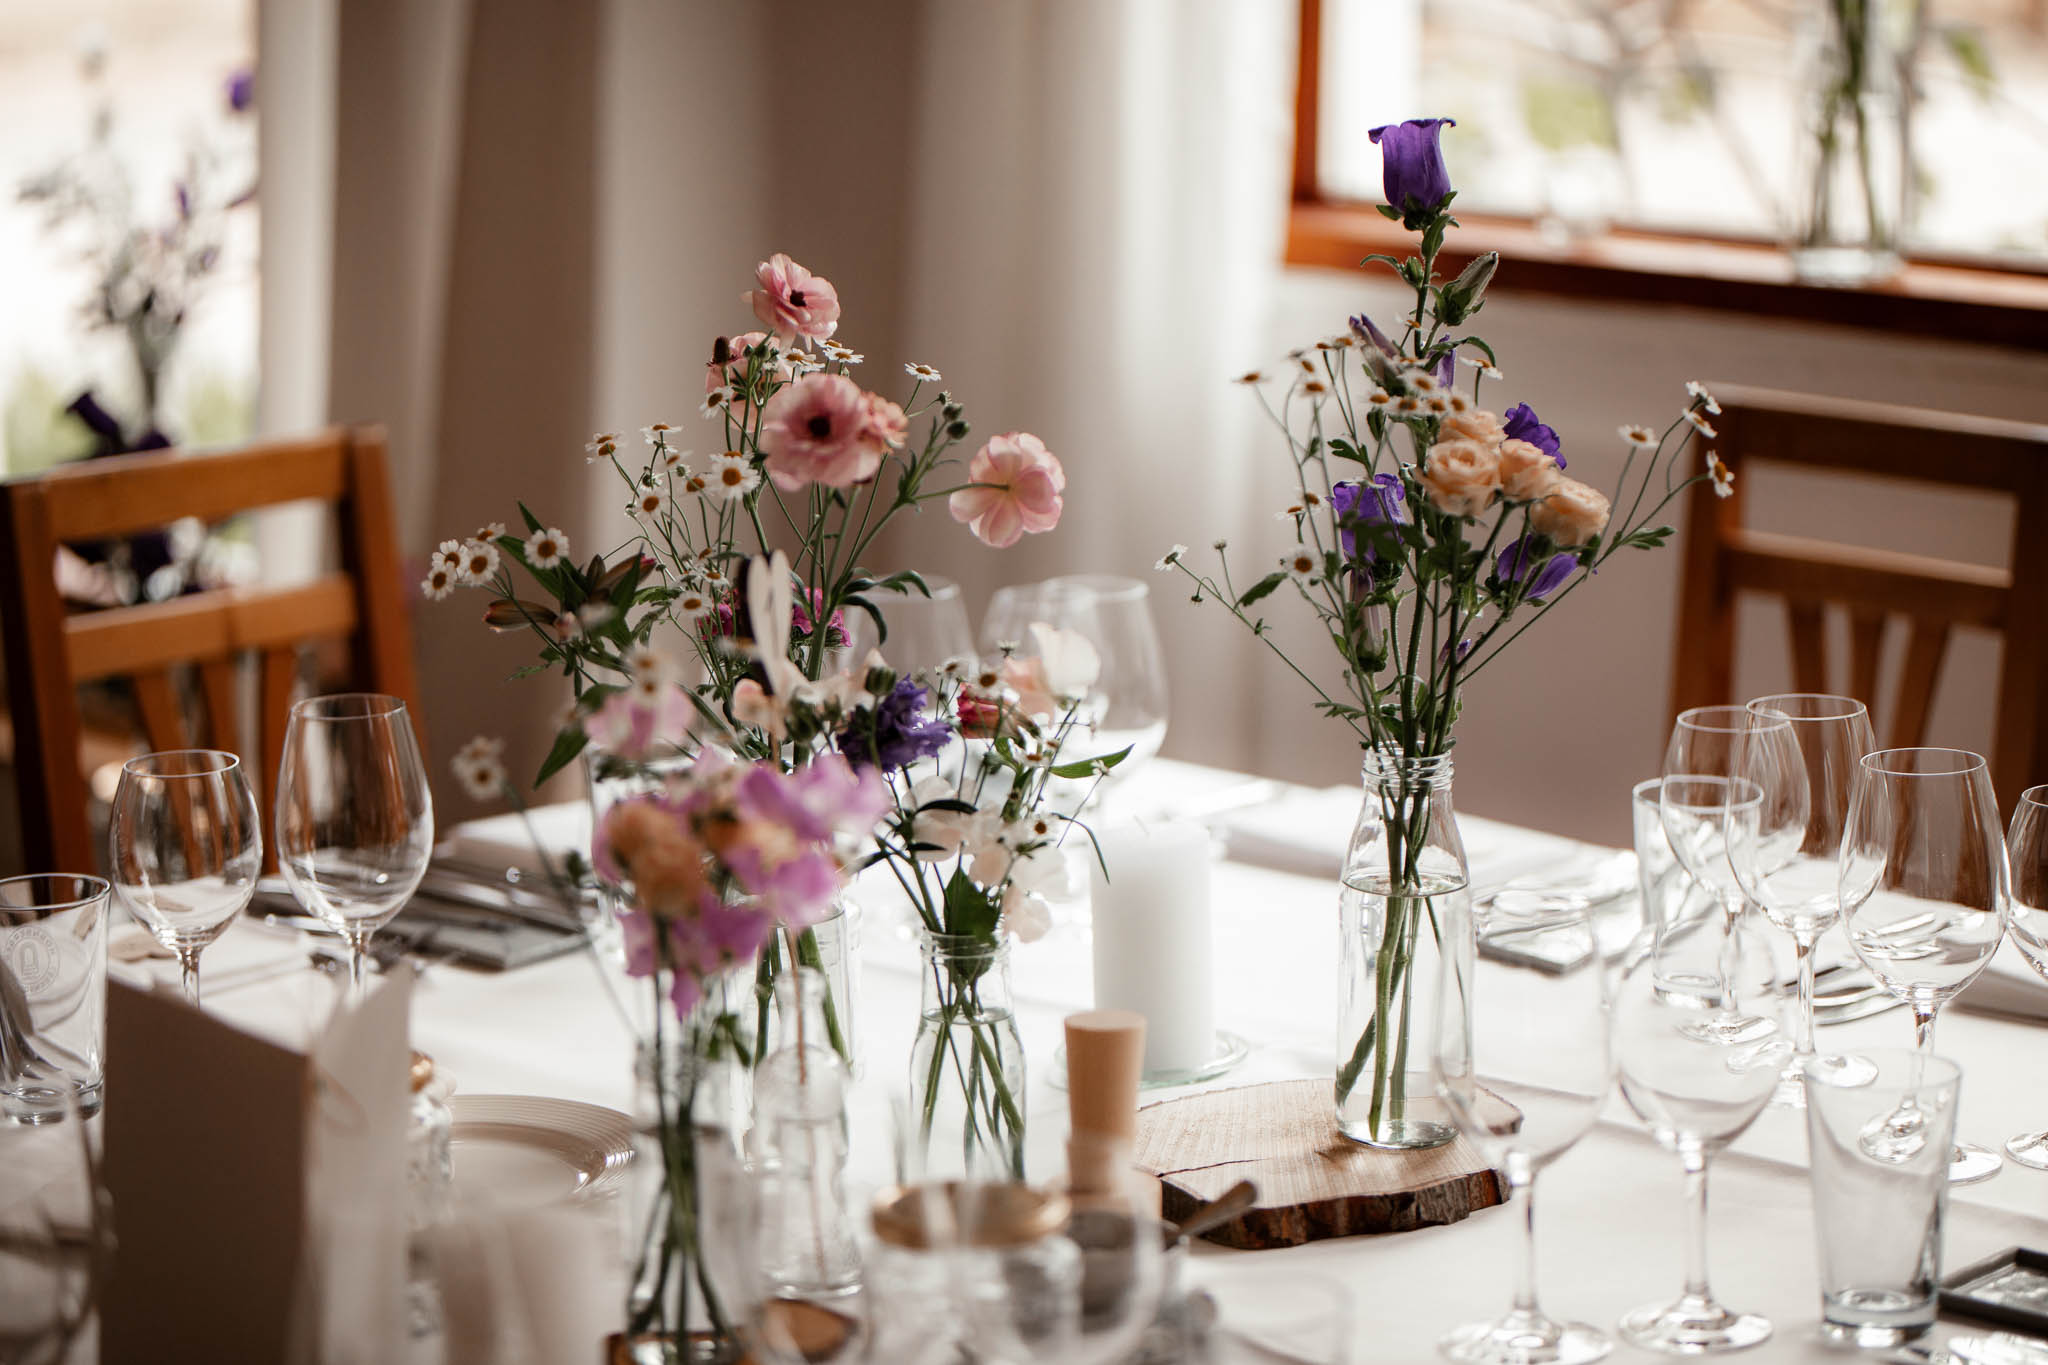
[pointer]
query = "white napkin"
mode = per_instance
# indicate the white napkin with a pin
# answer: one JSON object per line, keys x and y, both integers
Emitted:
{"x": 2008, "y": 987}
{"x": 503, "y": 841}
{"x": 531, "y": 1287}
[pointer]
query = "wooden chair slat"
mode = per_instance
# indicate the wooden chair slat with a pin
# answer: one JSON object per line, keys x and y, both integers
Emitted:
{"x": 1724, "y": 559}
{"x": 136, "y": 492}
{"x": 1866, "y": 649}
{"x": 1926, "y": 647}
{"x": 1809, "y": 646}
{"x": 1867, "y": 580}
{"x": 218, "y": 682}
{"x": 163, "y": 720}
{"x": 207, "y": 625}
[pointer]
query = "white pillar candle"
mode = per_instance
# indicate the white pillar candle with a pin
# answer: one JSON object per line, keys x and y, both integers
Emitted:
{"x": 1153, "y": 948}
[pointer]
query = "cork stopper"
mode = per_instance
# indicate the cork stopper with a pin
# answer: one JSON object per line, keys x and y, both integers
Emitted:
{"x": 421, "y": 1071}
{"x": 1105, "y": 1059}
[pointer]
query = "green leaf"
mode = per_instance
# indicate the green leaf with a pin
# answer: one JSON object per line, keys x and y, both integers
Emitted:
{"x": 568, "y": 744}
{"x": 533, "y": 523}
{"x": 1380, "y": 256}
{"x": 528, "y": 671}
{"x": 1388, "y": 212}
{"x": 903, "y": 580}
{"x": 969, "y": 910}
{"x": 1263, "y": 588}
{"x": 1966, "y": 45}
{"x": 1087, "y": 767}
{"x": 874, "y": 614}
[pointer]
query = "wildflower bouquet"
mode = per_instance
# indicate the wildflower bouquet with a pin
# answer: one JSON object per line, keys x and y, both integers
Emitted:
{"x": 1428, "y": 534}
{"x": 729, "y": 855}
{"x": 977, "y": 847}
{"x": 689, "y": 632}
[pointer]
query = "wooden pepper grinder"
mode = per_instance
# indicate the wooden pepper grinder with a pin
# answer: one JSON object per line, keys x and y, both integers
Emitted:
{"x": 1105, "y": 1058}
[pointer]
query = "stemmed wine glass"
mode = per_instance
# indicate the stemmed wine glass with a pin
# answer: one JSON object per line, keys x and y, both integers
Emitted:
{"x": 1697, "y": 1093}
{"x": 1521, "y": 1059}
{"x": 355, "y": 822}
{"x": 1923, "y": 886}
{"x": 1787, "y": 860}
{"x": 186, "y": 846}
{"x": 2027, "y": 844}
{"x": 1114, "y": 615}
{"x": 925, "y": 633}
{"x": 1704, "y": 800}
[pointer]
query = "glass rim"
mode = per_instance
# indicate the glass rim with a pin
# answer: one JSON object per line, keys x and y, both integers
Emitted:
{"x": 139, "y": 766}
{"x": 376, "y": 706}
{"x": 2035, "y": 796}
{"x": 1753, "y": 796}
{"x": 1741, "y": 714}
{"x": 56, "y": 903}
{"x": 1845, "y": 707}
{"x": 1106, "y": 587}
{"x": 1888, "y": 763}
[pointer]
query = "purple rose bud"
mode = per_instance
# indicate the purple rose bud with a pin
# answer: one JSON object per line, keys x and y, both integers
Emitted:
{"x": 242, "y": 90}
{"x": 1412, "y": 174}
{"x": 1379, "y": 499}
{"x": 1521, "y": 425}
{"x": 1550, "y": 573}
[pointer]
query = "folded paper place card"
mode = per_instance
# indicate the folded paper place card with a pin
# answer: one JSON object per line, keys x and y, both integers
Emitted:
{"x": 257, "y": 1185}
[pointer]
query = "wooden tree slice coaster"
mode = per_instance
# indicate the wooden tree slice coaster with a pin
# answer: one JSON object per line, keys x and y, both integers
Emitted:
{"x": 1313, "y": 1181}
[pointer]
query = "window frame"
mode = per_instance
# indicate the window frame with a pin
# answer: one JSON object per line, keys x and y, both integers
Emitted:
{"x": 1932, "y": 296}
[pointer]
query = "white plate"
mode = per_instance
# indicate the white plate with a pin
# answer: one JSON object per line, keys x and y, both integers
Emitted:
{"x": 527, "y": 1150}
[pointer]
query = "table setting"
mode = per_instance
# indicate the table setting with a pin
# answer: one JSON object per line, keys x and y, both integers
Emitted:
{"x": 887, "y": 996}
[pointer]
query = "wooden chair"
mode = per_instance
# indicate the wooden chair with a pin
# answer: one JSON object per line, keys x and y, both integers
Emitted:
{"x": 1724, "y": 558}
{"x": 155, "y": 646}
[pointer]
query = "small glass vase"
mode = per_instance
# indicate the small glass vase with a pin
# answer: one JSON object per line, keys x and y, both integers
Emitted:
{"x": 694, "y": 1089}
{"x": 831, "y": 948}
{"x": 967, "y": 1062}
{"x": 1851, "y": 183}
{"x": 1405, "y": 882}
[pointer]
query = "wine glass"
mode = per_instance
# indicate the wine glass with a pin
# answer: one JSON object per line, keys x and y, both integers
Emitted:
{"x": 2027, "y": 844}
{"x": 355, "y": 822}
{"x": 1521, "y": 1058}
{"x": 1129, "y": 703}
{"x": 1787, "y": 860}
{"x": 925, "y": 633}
{"x": 1923, "y": 886}
{"x": 1697, "y": 1094}
{"x": 186, "y": 846}
{"x": 1704, "y": 798}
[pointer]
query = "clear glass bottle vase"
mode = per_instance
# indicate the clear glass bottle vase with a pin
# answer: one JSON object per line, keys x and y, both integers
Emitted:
{"x": 1405, "y": 883}
{"x": 1851, "y": 191}
{"x": 967, "y": 1062}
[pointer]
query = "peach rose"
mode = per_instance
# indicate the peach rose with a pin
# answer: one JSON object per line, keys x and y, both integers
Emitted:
{"x": 1473, "y": 424}
{"x": 1461, "y": 477}
{"x": 1527, "y": 472}
{"x": 1572, "y": 513}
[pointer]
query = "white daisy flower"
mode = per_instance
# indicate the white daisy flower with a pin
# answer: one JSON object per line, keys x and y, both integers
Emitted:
{"x": 641, "y": 661}
{"x": 693, "y": 485}
{"x": 490, "y": 531}
{"x": 1699, "y": 423}
{"x": 1724, "y": 479}
{"x": 482, "y": 778}
{"x": 479, "y": 562}
{"x": 716, "y": 401}
{"x": 1639, "y": 436}
{"x": 594, "y": 615}
{"x": 732, "y": 476}
{"x": 1420, "y": 382}
{"x": 651, "y": 501}
{"x": 449, "y": 553}
{"x": 1702, "y": 397}
{"x": 439, "y": 582}
{"x": 481, "y": 748}
{"x": 1457, "y": 402}
{"x": 1301, "y": 566}
{"x": 1437, "y": 404}
{"x": 1316, "y": 390}
{"x": 1171, "y": 558}
{"x": 657, "y": 434}
{"x": 693, "y": 605}
{"x": 1307, "y": 363}
{"x": 546, "y": 548}
{"x": 1380, "y": 398}
{"x": 923, "y": 374}
{"x": 674, "y": 461}
{"x": 1251, "y": 377}
{"x": 1407, "y": 405}
{"x": 602, "y": 446}
{"x": 1481, "y": 364}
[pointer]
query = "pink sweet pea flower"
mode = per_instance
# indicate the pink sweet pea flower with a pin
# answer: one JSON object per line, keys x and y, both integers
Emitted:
{"x": 826, "y": 796}
{"x": 792, "y": 302}
{"x": 823, "y": 429}
{"x": 1019, "y": 485}
{"x": 633, "y": 725}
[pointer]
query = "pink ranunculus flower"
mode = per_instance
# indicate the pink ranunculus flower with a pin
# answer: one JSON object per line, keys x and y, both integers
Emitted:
{"x": 820, "y": 430}
{"x": 886, "y": 423}
{"x": 792, "y": 302}
{"x": 1020, "y": 483}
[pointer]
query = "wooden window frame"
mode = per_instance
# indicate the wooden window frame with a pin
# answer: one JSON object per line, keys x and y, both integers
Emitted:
{"x": 1931, "y": 297}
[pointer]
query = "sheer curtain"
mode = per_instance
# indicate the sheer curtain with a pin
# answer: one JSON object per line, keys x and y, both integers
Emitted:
{"x": 1074, "y": 208}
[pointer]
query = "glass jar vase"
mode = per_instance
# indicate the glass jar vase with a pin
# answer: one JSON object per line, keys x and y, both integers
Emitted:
{"x": 967, "y": 1062}
{"x": 1851, "y": 187}
{"x": 1405, "y": 883}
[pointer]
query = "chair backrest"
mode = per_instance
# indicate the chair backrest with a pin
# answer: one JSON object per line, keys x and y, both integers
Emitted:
{"x": 210, "y": 634}
{"x": 1725, "y": 558}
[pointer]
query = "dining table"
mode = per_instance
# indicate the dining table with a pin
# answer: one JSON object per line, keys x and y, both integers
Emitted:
{"x": 1610, "y": 1224}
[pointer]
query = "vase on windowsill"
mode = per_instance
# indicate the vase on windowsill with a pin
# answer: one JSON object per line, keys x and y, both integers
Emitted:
{"x": 1853, "y": 175}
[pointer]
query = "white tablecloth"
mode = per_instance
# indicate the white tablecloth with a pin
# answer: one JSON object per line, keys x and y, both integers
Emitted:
{"x": 1610, "y": 1217}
